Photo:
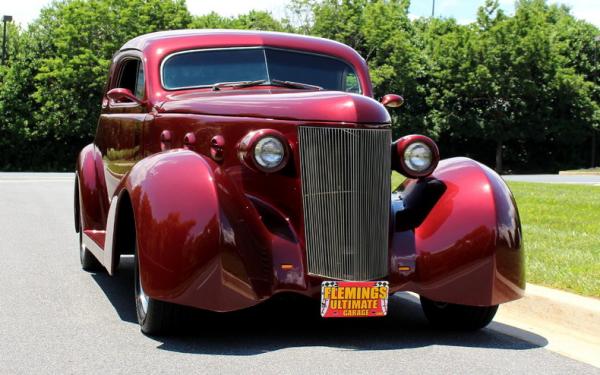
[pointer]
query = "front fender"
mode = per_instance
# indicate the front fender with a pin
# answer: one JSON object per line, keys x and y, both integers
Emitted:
{"x": 195, "y": 245}
{"x": 468, "y": 245}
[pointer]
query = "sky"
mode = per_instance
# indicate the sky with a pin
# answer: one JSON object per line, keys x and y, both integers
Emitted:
{"x": 24, "y": 11}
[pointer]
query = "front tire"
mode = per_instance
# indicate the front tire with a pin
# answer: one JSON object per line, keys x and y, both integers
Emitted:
{"x": 457, "y": 317}
{"x": 154, "y": 317}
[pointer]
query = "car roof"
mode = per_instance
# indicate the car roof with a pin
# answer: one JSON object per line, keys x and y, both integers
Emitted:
{"x": 262, "y": 37}
{"x": 157, "y": 46}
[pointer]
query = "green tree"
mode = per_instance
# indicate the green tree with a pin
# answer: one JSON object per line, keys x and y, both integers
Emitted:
{"x": 577, "y": 79}
{"x": 15, "y": 79}
{"x": 515, "y": 91}
{"x": 253, "y": 20}
{"x": 54, "y": 86}
{"x": 212, "y": 20}
{"x": 505, "y": 81}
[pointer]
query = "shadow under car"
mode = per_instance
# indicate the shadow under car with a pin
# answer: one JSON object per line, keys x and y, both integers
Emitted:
{"x": 287, "y": 321}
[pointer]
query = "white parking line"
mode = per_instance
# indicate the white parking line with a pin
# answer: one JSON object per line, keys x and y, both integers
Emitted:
{"x": 26, "y": 180}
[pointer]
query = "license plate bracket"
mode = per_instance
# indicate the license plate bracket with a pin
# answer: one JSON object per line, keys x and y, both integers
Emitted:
{"x": 354, "y": 299}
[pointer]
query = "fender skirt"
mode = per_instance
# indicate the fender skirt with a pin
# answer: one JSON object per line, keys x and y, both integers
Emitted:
{"x": 456, "y": 236}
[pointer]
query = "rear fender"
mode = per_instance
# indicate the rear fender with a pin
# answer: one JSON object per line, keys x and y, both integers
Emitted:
{"x": 467, "y": 248}
{"x": 90, "y": 192}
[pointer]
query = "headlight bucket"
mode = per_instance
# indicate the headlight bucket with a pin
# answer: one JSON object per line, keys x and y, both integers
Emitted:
{"x": 264, "y": 150}
{"x": 415, "y": 156}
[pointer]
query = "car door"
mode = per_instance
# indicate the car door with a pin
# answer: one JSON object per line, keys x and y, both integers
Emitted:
{"x": 119, "y": 136}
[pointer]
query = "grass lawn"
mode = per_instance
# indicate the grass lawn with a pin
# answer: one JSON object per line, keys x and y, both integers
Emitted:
{"x": 561, "y": 231}
{"x": 397, "y": 179}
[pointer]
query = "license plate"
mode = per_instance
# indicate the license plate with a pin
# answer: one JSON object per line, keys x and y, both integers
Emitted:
{"x": 350, "y": 299}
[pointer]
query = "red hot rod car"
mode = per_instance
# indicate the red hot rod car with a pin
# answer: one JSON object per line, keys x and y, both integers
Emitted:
{"x": 237, "y": 165}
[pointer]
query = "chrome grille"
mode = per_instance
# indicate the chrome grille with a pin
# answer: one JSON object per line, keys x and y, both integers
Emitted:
{"x": 346, "y": 198}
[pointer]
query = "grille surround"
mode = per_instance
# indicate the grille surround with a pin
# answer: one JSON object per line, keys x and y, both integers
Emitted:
{"x": 345, "y": 175}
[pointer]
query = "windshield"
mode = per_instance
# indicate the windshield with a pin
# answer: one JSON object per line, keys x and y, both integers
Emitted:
{"x": 205, "y": 68}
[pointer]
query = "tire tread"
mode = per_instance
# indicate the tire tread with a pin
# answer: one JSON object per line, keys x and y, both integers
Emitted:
{"x": 457, "y": 317}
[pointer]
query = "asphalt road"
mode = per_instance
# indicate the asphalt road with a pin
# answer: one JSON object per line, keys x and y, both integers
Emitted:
{"x": 56, "y": 318}
{"x": 555, "y": 179}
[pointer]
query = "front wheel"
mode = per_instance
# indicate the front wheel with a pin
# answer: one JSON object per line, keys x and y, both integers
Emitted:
{"x": 457, "y": 317}
{"x": 155, "y": 317}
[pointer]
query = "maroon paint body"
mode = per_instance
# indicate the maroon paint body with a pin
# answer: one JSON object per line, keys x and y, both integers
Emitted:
{"x": 213, "y": 232}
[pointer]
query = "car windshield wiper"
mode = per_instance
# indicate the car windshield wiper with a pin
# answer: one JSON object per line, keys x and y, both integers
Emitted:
{"x": 295, "y": 85}
{"x": 217, "y": 86}
{"x": 273, "y": 82}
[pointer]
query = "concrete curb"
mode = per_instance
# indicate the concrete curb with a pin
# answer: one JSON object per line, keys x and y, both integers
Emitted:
{"x": 578, "y": 173}
{"x": 570, "y": 323}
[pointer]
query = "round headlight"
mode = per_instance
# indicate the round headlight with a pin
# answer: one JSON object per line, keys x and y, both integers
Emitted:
{"x": 415, "y": 156}
{"x": 418, "y": 156}
{"x": 264, "y": 150}
{"x": 269, "y": 152}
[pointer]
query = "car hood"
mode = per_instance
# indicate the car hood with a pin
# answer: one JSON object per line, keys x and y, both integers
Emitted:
{"x": 302, "y": 106}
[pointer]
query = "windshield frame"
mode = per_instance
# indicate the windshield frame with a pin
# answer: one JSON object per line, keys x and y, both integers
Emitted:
{"x": 169, "y": 56}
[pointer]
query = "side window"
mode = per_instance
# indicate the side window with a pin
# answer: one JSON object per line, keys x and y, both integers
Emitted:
{"x": 131, "y": 77}
{"x": 140, "y": 84}
{"x": 351, "y": 83}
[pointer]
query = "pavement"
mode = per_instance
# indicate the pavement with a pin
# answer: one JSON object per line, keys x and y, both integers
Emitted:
{"x": 56, "y": 318}
{"x": 555, "y": 179}
{"x": 570, "y": 323}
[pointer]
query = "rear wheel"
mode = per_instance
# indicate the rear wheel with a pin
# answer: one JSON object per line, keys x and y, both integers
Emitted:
{"x": 457, "y": 317}
{"x": 155, "y": 317}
